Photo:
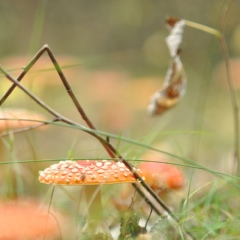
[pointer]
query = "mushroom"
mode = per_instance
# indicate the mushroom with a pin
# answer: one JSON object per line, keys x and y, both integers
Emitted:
{"x": 91, "y": 174}
{"x": 162, "y": 177}
{"x": 24, "y": 219}
{"x": 12, "y": 118}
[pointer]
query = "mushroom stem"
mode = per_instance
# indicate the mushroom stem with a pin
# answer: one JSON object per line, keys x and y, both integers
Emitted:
{"x": 93, "y": 199}
{"x": 94, "y": 224}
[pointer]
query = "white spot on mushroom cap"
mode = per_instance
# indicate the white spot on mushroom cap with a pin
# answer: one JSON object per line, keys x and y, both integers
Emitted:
{"x": 99, "y": 164}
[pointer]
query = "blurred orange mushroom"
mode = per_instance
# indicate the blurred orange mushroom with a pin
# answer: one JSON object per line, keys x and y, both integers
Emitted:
{"x": 25, "y": 220}
{"x": 13, "y": 118}
{"x": 162, "y": 177}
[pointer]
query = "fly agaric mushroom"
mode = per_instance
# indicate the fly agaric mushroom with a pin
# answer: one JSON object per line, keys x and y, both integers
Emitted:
{"x": 12, "y": 118}
{"x": 162, "y": 177}
{"x": 91, "y": 174}
{"x": 23, "y": 219}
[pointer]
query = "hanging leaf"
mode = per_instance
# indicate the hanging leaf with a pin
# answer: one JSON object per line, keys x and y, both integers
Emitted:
{"x": 172, "y": 91}
{"x": 175, "y": 37}
{"x": 174, "y": 85}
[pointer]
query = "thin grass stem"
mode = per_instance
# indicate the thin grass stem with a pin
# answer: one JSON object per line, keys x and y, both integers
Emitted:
{"x": 225, "y": 52}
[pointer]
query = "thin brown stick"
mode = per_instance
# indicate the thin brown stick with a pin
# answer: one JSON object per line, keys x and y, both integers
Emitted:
{"x": 26, "y": 69}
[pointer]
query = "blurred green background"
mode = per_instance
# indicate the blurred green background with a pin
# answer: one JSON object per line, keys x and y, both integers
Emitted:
{"x": 122, "y": 33}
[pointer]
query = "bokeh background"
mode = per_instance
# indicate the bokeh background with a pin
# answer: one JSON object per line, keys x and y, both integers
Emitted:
{"x": 114, "y": 55}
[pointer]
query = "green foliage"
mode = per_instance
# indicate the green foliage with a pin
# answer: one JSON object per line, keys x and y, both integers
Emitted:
{"x": 130, "y": 228}
{"x": 160, "y": 230}
{"x": 97, "y": 236}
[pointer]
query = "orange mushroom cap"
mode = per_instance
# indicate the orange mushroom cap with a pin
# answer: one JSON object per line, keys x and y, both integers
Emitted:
{"x": 161, "y": 176}
{"x": 25, "y": 220}
{"x": 11, "y": 118}
{"x": 87, "y": 172}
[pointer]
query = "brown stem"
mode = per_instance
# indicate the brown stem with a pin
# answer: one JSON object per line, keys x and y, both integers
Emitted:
{"x": 68, "y": 88}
